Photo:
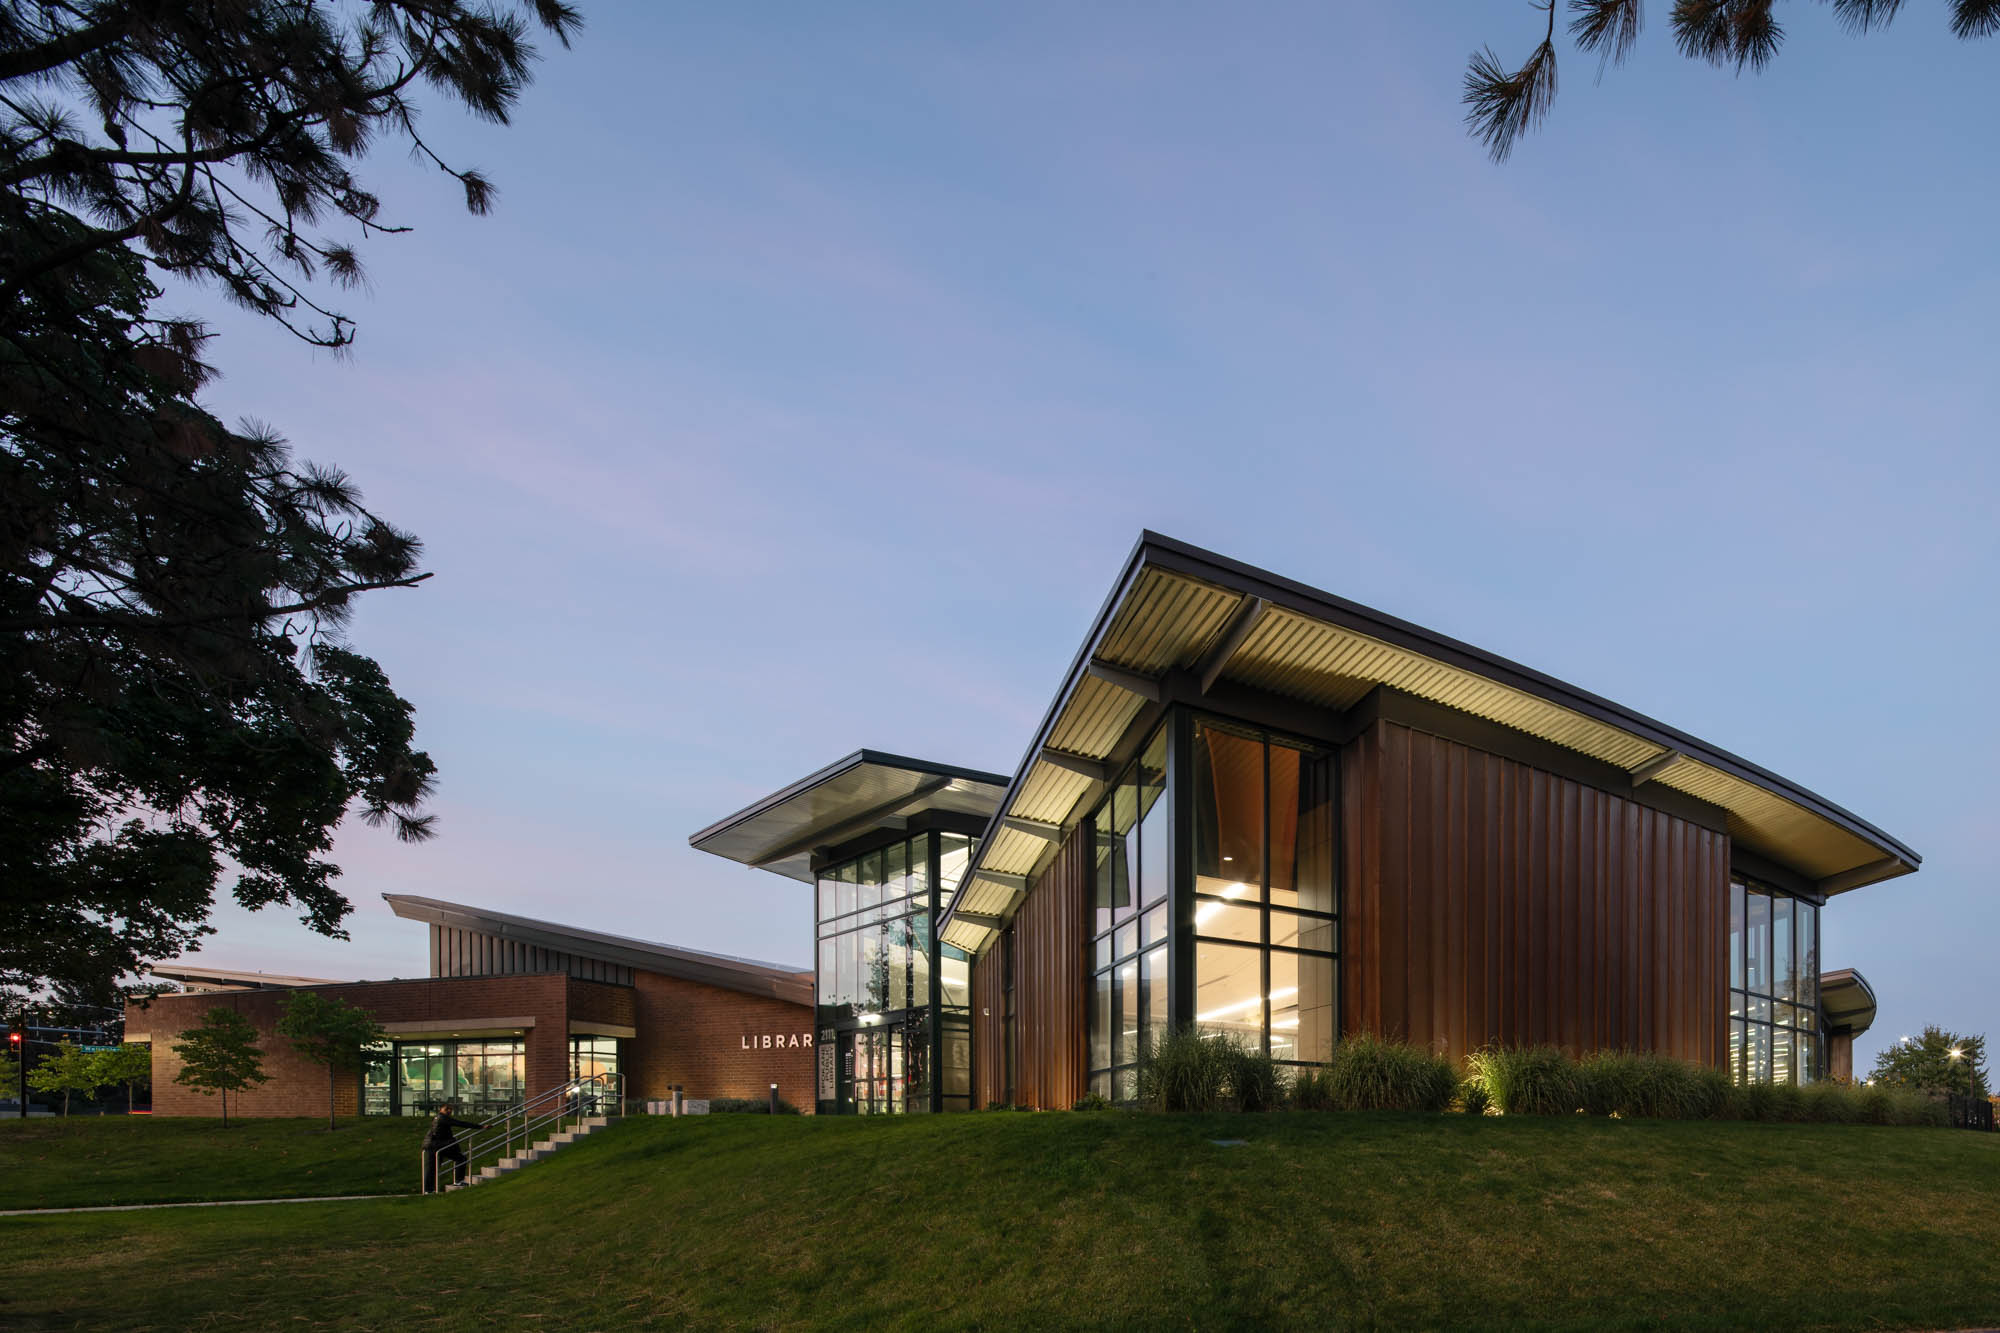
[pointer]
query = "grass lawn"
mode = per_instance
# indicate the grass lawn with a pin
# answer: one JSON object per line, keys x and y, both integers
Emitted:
{"x": 55, "y": 1163}
{"x": 1002, "y": 1220}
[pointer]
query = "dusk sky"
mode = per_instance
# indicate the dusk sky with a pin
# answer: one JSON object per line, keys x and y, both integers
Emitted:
{"x": 821, "y": 364}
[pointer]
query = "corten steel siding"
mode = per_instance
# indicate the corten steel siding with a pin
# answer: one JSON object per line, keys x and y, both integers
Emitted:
{"x": 989, "y": 1067}
{"x": 474, "y": 953}
{"x": 1051, "y": 990}
{"x": 1484, "y": 900}
{"x": 717, "y": 1043}
{"x": 297, "y": 1087}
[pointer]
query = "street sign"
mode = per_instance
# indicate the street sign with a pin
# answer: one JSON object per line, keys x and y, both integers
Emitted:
{"x": 100, "y": 1048}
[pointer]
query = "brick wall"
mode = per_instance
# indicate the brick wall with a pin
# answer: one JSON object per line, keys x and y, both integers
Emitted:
{"x": 298, "y": 1087}
{"x": 713, "y": 1042}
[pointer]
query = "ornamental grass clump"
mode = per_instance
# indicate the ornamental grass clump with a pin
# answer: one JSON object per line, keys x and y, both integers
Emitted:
{"x": 1637, "y": 1084}
{"x": 1531, "y": 1080}
{"x": 1254, "y": 1081}
{"x": 1312, "y": 1090}
{"x": 1187, "y": 1070}
{"x": 1831, "y": 1104}
{"x": 1369, "y": 1074}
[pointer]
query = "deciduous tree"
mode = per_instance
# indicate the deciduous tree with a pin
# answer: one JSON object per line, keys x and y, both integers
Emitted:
{"x": 1937, "y": 1062}
{"x": 129, "y": 1066}
{"x": 328, "y": 1031}
{"x": 67, "y": 1070}
{"x": 1503, "y": 103}
{"x": 221, "y": 1056}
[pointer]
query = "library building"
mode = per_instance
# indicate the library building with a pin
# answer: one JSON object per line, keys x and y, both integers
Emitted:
{"x": 1268, "y": 811}
{"x": 1252, "y": 807}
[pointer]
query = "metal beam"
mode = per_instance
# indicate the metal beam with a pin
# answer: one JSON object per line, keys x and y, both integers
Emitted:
{"x": 977, "y": 919}
{"x": 1868, "y": 874}
{"x": 1655, "y": 766}
{"x": 1039, "y": 828}
{"x": 1080, "y": 764}
{"x": 1018, "y": 883}
{"x": 851, "y": 827}
{"x": 1233, "y": 636}
{"x": 1146, "y": 687}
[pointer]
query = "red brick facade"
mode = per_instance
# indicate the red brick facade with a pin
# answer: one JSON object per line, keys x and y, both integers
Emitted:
{"x": 718, "y": 1043}
{"x": 709, "y": 1039}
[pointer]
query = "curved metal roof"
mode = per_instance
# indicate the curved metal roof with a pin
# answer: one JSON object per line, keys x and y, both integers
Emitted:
{"x": 867, "y": 790}
{"x": 1848, "y": 999}
{"x": 1179, "y": 609}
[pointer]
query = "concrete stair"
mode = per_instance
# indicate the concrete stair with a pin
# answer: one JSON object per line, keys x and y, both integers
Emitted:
{"x": 535, "y": 1153}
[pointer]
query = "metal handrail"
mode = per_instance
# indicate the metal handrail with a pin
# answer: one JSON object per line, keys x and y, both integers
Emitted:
{"x": 576, "y": 1099}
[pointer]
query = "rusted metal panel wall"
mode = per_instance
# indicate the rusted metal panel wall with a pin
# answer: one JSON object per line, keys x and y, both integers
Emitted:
{"x": 1051, "y": 990}
{"x": 989, "y": 1078}
{"x": 1487, "y": 901}
{"x": 1053, "y": 981}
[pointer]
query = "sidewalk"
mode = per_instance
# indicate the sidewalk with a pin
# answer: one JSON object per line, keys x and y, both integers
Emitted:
{"x": 205, "y": 1203}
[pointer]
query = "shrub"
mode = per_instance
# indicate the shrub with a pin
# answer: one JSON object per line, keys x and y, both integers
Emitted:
{"x": 1369, "y": 1074}
{"x": 748, "y": 1106}
{"x": 1092, "y": 1101}
{"x": 1534, "y": 1080}
{"x": 1186, "y": 1070}
{"x": 1473, "y": 1098}
{"x": 1643, "y": 1084}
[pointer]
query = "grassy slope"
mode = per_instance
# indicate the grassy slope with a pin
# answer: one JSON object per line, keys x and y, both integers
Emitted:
{"x": 1002, "y": 1220}
{"x": 139, "y": 1159}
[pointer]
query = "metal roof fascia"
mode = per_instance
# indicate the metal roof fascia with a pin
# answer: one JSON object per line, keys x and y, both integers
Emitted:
{"x": 1135, "y": 563}
{"x": 1181, "y": 558}
{"x": 717, "y": 969}
{"x": 1174, "y": 556}
{"x": 834, "y": 770}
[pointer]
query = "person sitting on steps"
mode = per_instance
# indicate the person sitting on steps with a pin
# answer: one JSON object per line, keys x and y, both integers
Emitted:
{"x": 441, "y": 1145}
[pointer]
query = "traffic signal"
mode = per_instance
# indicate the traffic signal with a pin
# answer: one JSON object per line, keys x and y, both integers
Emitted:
{"x": 14, "y": 1041}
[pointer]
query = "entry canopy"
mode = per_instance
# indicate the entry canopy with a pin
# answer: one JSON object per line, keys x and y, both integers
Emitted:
{"x": 864, "y": 792}
{"x": 1181, "y": 622}
{"x": 1848, "y": 999}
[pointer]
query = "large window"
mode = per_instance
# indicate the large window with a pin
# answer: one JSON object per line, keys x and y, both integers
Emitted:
{"x": 1774, "y": 1022}
{"x": 1266, "y": 892}
{"x": 1132, "y": 920}
{"x": 416, "y": 1077}
{"x": 894, "y": 1005}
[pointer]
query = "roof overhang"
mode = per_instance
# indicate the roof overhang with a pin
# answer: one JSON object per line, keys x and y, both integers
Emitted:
{"x": 1185, "y": 616}
{"x": 224, "y": 978}
{"x": 866, "y": 792}
{"x": 712, "y": 969}
{"x": 1848, "y": 1000}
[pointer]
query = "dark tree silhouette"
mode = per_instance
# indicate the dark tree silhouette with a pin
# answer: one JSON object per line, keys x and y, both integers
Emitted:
{"x": 175, "y": 689}
{"x": 1502, "y": 104}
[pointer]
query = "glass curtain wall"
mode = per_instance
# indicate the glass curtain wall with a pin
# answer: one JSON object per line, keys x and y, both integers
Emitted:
{"x": 1775, "y": 1032}
{"x": 894, "y": 1010}
{"x": 1265, "y": 892}
{"x": 1131, "y": 922}
{"x": 954, "y": 986}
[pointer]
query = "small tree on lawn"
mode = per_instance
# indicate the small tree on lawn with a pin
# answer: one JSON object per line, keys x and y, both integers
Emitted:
{"x": 71, "y": 1069}
{"x": 330, "y": 1032}
{"x": 128, "y": 1066}
{"x": 220, "y": 1056}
